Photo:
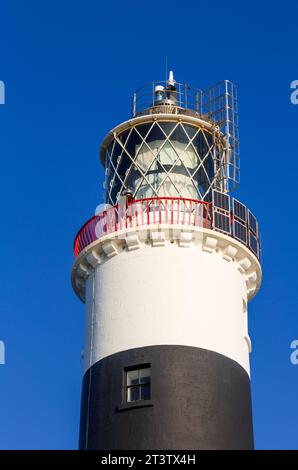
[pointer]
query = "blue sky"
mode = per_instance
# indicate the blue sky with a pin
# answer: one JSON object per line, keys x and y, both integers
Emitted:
{"x": 69, "y": 70}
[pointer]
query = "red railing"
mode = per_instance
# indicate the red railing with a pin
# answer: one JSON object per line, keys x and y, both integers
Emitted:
{"x": 157, "y": 210}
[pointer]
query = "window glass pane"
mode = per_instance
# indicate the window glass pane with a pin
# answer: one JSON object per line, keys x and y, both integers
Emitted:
{"x": 167, "y": 154}
{"x": 133, "y": 143}
{"x": 134, "y": 176}
{"x": 155, "y": 137}
{"x": 133, "y": 393}
{"x": 189, "y": 157}
{"x": 116, "y": 150}
{"x": 201, "y": 181}
{"x": 123, "y": 163}
{"x": 209, "y": 166}
{"x": 179, "y": 135}
{"x": 167, "y": 126}
{"x": 132, "y": 377}
{"x": 144, "y": 128}
{"x": 145, "y": 391}
{"x": 191, "y": 130}
{"x": 115, "y": 186}
{"x": 145, "y": 157}
{"x": 123, "y": 136}
{"x": 202, "y": 143}
{"x": 145, "y": 375}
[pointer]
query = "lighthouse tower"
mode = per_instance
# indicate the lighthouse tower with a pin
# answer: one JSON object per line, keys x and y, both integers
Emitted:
{"x": 166, "y": 271}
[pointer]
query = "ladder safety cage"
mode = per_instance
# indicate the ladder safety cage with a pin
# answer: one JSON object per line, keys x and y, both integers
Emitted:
{"x": 220, "y": 106}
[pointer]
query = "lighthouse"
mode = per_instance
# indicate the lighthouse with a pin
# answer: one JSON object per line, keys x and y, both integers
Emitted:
{"x": 166, "y": 270}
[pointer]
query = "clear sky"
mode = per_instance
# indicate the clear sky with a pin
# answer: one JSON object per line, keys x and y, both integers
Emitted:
{"x": 69, "y": 68}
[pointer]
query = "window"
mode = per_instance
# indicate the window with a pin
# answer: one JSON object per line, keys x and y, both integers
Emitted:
{"x": 138, "y": 383}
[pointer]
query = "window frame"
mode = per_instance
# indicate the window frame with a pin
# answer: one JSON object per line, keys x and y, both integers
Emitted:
{"x": 126, "y": 387}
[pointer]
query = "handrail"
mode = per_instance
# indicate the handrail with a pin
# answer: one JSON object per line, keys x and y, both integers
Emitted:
{"x": 169, "y": 211}
{"x": 140, "y": 212}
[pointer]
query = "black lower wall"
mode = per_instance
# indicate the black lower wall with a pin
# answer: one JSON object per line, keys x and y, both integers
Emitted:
{"x": 200, "y": 400}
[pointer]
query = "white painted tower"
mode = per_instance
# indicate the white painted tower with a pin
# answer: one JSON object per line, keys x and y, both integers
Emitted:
{"x": 166, "y": 271}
